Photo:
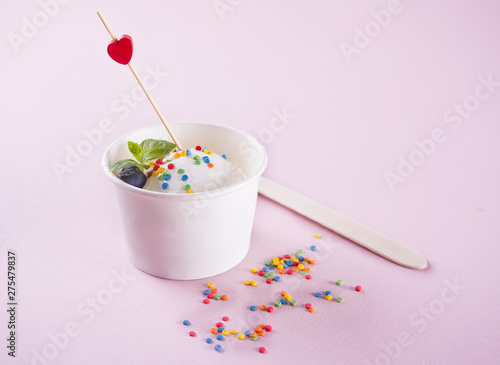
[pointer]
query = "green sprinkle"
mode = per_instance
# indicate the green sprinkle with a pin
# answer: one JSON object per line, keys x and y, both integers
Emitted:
{"x": 253, "y": 338}
{"x": 169, "y": 160}
{"x": 180, "y": 171}
{"x": 339, "y": 283}
{"x": 340, "y": 300}
{"x": 196, "y": 162}
{"x": 217, "y": 297}
{"x": 196, "y": 157}
{"x": 293, "y": 303}
{"x": 303, "y": 272}
{"x": 267, "y": 263}
{"x": 297, "y": 254}
{"x": 277, "y": 303}
{"x": 187, "y": 187}
{"x": 301, "y": 250}
{"x": 161, "y": 176}
{"x": 265, "y": 275}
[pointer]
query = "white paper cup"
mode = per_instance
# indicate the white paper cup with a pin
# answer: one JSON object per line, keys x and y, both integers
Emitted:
{"x": 189, "y": 236}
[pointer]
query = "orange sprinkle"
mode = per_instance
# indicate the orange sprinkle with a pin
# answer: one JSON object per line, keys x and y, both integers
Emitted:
{"x": 262, "y": 326}
{"x": 312, "y": 310}
{"x": 224, "y": 297}
{"x": 283, "y": 293}
{"x": 213, "y": 330}
{"x": 214, "y": 290}
{"x": 282, "y": 271}
{"x": 307, "y": 259}
{"x": 253, "y": 334}
{"x": 261, "y": 333}
{"x": 307, "y": 269}
{"x": 263, "y": 307}
{"x": 295, "y": 269}
{"x": 313, "y": 262}
{"x": 257, "y": 329}
{"x": 210, "y": 165}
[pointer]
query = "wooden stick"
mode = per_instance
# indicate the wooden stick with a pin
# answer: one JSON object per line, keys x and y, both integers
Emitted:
{"x": 155, "y": 107}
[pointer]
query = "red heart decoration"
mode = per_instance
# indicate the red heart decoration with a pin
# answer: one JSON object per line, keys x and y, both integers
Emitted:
{"x": 121, "y": 50}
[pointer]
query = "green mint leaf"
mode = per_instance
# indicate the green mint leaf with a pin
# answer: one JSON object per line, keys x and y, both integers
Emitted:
{"x": 127, "y": 163}
{"x": 153, "y": 149}
{"x": 135, "y": 149}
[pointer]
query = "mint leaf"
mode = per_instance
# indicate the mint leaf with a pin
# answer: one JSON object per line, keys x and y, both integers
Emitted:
{"x": 127, "y": 163}
{"x": 153, "y": 149}
{"x": 135, "y": 149}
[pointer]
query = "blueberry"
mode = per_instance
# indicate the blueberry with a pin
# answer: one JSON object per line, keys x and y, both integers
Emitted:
{"x": 133, "y": 175}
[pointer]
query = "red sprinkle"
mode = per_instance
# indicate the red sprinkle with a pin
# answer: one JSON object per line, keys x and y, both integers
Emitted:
{"x": 210, "y": 295}
{"x": 268, "y": 328}
{"x": 287, "y": 257}
{"x": 206, "y": 301}
{"x": 270, "y": 309}
{"x": 219, "y": 324}
{"x": 198, "y": 148}
{"x": 150, "y": 174}
{"x": 261, "y": 272}
{"x": 269, "y": 281}
{"x": 262, "y": 350}
{"x": 192, "y": 333}
{"x": 358, "y": 288}
{"x": 290, "y": 272}
{"x": 308, "y": 305}
{"x": 156, "y": 167}
{"x": 170, "y": 166}
{"x": 225, "y": 318}
{"x": 160, "y": 161}
{"x": 308, "y": 277}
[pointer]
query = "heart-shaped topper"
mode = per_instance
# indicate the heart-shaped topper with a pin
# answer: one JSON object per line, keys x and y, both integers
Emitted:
{"x": 121, "y": 50}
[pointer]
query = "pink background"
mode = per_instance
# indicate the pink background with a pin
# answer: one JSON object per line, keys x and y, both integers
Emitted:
{"x": 353, "y": 119}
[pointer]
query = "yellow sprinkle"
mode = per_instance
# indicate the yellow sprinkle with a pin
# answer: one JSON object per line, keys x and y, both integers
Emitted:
{"x": 328, "y": 297}
{"x": 316, "y": 235}
{"x": 225, "y": 332}
{"x": 246, "y": 282}
{"x": 183, "y": 153}
{"x": 190, "y": 191}
{"x": 276, "y": 258}
{"x": 300, "y": 267}
{"x": 205, "y": 150}
{"x": 280, "y": 266}
{"x": 210, "y": 152}
{"x": 294, "y": 259}
{"x": 211, "y": 285}
{"x": 161, "y": 169}
{"x": 253, "y": 270}
{"x": 253, "y": 283}
{"x": 287, "y": 296}
{"x": 233, "y": 331}
{"x": 241, "y": 336}
{"x": 151, "y": 163}
{"x": 156, "y": 173}
{"x": 177, "y": 155}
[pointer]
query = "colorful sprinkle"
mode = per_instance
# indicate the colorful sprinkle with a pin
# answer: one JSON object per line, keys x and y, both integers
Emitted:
{"x": 308, "y": 305}
{"x": 316, "y": 235}
{"x": 358, "y": 288}
{"x": 318, "y": 294}
{"x": 196, "y": 162}
{"x": 198, "y": 148}
{"x": 328, "y": 292}
{"x": 312, "y": 310}
{"x": 253, "y": 270}
{"x": 183, "y": 153}
{"x": 184, "y": 177}
{"x": 180, "y": 171}
{"x": 313, "y": 248}
{"x": 217, "y": 297}
{"x": 224, "y": 297}
{"x": 328, "y": 297}
{"x": 270, "y": 309}
{"x": 192, "y": 333}
{"x": 210, "y": 295}
{"x": 253, "y": 283}
{"x": 206, "y": 159}
{"x": 253, "y": 308}
{"x": 206, "y": 301}
{"x": 164, "y": 186}
{"x": 170, "y": 166}
{"x": 168, "y": 177}
{"x": 218, "y": 347}
{"x": 225, "y": 332}
{"x": 177, "y": 155}
{"x": 210, "y": 285}
{"x": 277, "y": 303}
{"x": 240, "y": 336}
{"x": 340, "y": 300}
{"x": 293, "y": 303}
{"x": 338, "y": 282}
{"x": 209, "y": 340}
{"x": 187, "y": 187}
{"x": 224, "y": 156}
{"x": 188, "y": 153}
{"x": 262, "y": 307}
{"x": 233, "y": 331}
{"x": 262, "y": 350}
{"x": 186, "y": 322}
{"x": 210, "y": 165}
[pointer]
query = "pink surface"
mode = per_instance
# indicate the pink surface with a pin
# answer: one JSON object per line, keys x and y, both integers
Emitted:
{"x": 354, "y": 119}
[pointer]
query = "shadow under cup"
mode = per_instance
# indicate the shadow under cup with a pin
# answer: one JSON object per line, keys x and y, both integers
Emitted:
{"x": 189, "y": 236}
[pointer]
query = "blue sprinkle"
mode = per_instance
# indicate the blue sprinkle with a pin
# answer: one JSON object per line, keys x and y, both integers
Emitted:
{"x": 247, "y": 333}
{"x": 206, "y": 159}
{"x": 253, "y": 308}
{"x": 188, "y": 152}
{"x": 218, "y": 347}
{"x": 277, "y": 278}
{"x": 184, "y": 177}
{"x": 328, "y": 292}
{"x": 186, "y": 322}
{"x": 283, "y": 301}
{"x": 301, "y": 258}
{"x": 285, "y": 265}
{"x": 220, "y": 337}
{"x": 265, "y": 269}
{"x": 313, "y": 248}
{"x": 220, "y": 329}
{"x": 209, "y": 340}
{"x": 224, "y": 156}
{"x": 205, "y": 292}
{"x": 165, "y": 185}
{"x": 271, "y": 267}
{"x": 168, "y": 177}
{"x": 318, "y": 294}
